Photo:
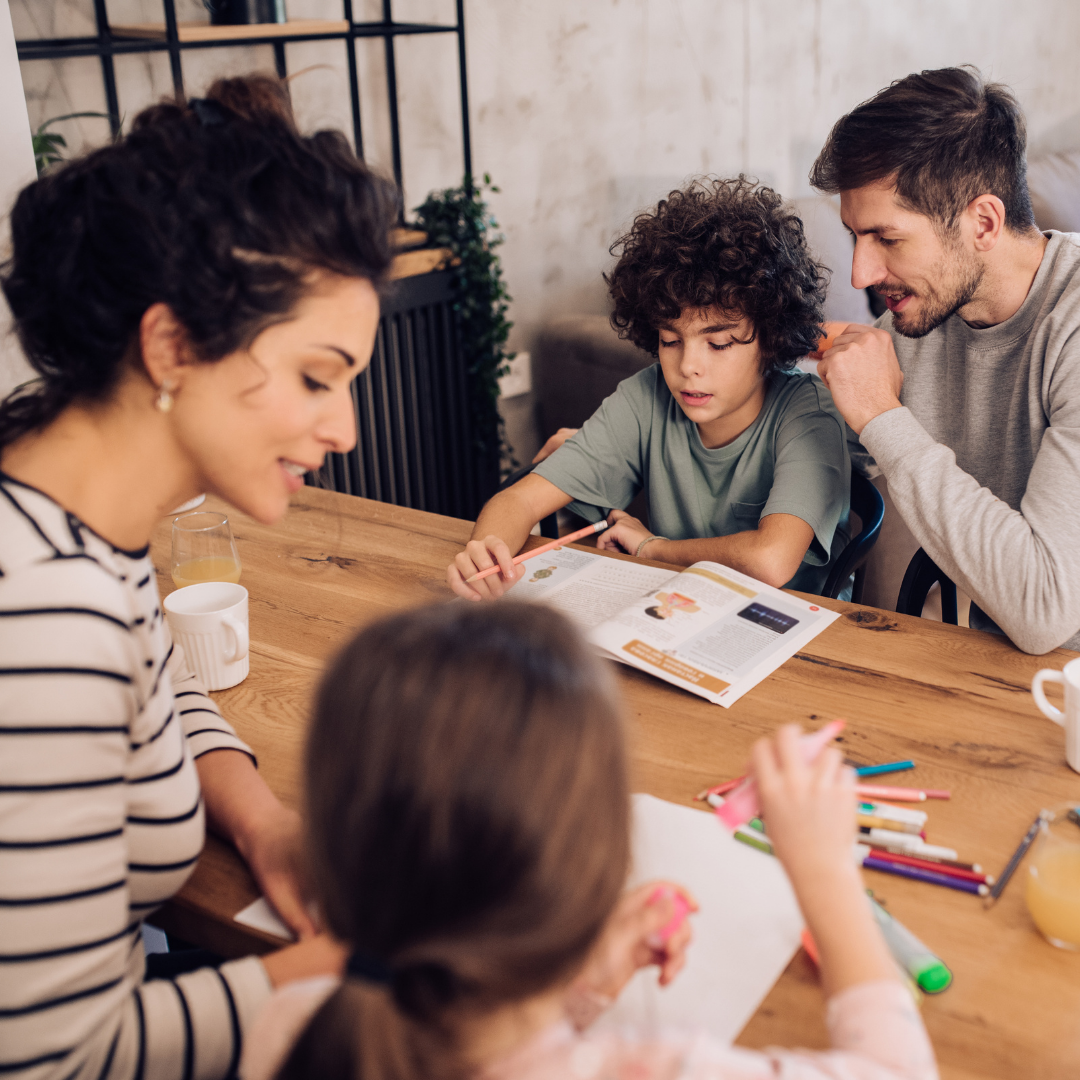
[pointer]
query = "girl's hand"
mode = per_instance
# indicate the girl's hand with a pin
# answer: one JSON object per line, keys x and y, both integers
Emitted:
{"x": 625, "y": 534}
{"x": 809, "y": 810}
{"x": 479, "y": 555}
{"x": 631, "y": 940}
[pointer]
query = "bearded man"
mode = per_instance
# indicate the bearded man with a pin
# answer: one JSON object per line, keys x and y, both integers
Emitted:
{"x": 966, "y": 392}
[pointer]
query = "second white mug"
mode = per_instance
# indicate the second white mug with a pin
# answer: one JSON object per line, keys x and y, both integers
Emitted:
{"x": 1069, "y": 718}
{"x": 210, "y": 622}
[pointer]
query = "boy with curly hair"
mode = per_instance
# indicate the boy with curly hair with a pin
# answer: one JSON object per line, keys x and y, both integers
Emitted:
{"x": 743, "y": 460}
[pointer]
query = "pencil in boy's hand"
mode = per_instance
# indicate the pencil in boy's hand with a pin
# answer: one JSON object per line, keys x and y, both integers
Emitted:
{"x": 599, "y": 527}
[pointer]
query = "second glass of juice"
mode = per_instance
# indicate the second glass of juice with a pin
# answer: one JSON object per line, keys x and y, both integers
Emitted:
{"x": 203, "y": 549}
{"x": 1053, "y": 883}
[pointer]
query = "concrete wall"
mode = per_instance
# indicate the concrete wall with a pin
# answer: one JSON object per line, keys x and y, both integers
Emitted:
{"x": 586, "y": 110}
{"x": 17, "y": 160}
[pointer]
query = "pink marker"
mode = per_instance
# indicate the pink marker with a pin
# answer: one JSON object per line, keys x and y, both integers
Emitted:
{"x": 743, "y": 803}
{"x": 682, "y": 909}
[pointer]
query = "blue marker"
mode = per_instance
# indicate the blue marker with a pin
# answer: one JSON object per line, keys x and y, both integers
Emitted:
{"x": 880, "y": 770}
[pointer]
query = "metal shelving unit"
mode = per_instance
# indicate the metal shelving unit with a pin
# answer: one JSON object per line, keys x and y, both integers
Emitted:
{"x": 113, "y": 41}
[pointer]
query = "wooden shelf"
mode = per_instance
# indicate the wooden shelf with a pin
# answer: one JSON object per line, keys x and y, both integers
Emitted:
{"x": 424, "y": 261}
{"x": 188, "y": 32}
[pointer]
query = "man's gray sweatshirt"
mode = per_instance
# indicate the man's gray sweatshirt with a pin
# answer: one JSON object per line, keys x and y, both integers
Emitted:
{"x": 983, "y": 460}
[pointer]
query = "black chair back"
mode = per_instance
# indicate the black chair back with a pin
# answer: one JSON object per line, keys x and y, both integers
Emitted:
{"x": 919, "y": 579}
{"x": 866, "y": 501}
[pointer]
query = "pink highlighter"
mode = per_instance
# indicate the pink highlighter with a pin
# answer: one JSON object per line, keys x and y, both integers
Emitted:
{"x": 682, "y": 909}
{"x": 743, "y": 804}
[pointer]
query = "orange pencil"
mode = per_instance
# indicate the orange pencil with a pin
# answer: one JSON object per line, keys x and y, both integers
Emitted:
{"x": 600, "y": 526}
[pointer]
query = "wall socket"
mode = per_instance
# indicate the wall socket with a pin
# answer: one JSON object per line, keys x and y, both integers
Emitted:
{"x": 518, "y": 380}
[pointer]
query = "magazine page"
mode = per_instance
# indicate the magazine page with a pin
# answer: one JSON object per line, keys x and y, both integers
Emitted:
{"x": 712, "y": 631}
{"x": 587, "y": 586}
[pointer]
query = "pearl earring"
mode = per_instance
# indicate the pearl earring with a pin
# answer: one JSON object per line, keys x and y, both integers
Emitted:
{"x": 164, "y": 401}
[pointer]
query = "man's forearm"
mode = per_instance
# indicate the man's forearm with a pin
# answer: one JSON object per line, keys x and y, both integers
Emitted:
{"x": 1023, "y": 571}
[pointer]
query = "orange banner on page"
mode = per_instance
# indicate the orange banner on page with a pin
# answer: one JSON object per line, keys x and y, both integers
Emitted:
{"x": 674, "y": 667}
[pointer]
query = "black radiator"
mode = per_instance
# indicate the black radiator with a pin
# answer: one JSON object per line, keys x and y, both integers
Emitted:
{"x": 416, "y": 441}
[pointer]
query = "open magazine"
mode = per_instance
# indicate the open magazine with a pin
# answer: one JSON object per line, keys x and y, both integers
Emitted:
{"x": 708, "y": 629}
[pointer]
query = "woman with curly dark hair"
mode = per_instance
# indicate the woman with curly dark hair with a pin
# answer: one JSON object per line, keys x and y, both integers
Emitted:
{"x": 196, "y": 299}
{"x": 743, "y": 460}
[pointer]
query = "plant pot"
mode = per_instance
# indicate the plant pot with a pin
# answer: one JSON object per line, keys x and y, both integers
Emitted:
{"x": 245, "y": 12}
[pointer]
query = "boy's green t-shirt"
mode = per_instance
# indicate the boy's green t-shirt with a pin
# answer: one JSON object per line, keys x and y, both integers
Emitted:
{"x": 792, "y": 460}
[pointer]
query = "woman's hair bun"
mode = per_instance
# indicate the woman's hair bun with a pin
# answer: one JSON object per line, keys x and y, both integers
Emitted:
{"x": 259, "y": 99}
{"x": 220, "y": 209}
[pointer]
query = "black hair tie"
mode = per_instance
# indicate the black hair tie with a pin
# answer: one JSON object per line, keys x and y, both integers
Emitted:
{"x": 369, "y": 968}
{"x": 208, "y": 111}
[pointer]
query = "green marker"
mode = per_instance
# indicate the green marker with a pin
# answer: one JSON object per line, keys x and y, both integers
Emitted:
{"x": 753, "y": 839}
{"x": 911, "y": 954}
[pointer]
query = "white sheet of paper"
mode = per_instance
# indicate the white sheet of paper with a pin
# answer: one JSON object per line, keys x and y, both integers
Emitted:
{"x": 259, "y": 915}
{"x": 744, "y": 935}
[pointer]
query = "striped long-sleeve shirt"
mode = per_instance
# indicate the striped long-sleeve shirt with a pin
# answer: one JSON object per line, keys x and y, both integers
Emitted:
{"x": 101, "y": 818}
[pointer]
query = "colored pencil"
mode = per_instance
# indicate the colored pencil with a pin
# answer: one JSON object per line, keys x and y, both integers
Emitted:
{"x": 900, "y": 794}
{"x": 1014, "y": 862}
{"x": 929, "y": 864}
{"x": 880, "y": 770}
{"x": 930, "y": 876}
{"x": 600, "y": 526}
{"x": 720, "y": 789}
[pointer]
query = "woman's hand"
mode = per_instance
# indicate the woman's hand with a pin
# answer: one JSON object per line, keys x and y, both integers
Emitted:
{"x": 318, "y": 955}
{"x": 480, "y": 555}
{"x": 625, "y": 534}
{"x": 273, "y": 852}
{"x": 632, "y": 940}
{"x": 242, "y": 809}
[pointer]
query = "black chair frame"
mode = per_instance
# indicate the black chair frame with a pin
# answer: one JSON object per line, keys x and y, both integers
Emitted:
{"x": 919, "y": 578}
{"x": 866, "y": 501}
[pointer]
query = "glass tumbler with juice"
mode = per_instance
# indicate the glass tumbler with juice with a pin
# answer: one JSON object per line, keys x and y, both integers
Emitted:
{"x": 1053, "y": 883}
{"x": 203, "y": 549}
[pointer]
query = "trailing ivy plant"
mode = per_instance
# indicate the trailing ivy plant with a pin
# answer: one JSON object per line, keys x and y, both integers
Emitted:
{"x": 458, "y": 218}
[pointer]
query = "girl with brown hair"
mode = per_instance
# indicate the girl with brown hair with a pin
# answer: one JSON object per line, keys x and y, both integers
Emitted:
{"x": 468, "y": 826}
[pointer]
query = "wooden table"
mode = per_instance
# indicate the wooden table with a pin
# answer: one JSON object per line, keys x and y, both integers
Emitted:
{"x": 955, "y": 700}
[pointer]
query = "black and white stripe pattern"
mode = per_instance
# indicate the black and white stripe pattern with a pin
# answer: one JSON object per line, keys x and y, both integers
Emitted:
{"x": 101, "y": 819}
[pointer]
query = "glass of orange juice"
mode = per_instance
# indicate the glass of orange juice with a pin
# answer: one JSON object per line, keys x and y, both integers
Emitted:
{"x": 1053, "y": 884}
{"x": 203, "y": 549}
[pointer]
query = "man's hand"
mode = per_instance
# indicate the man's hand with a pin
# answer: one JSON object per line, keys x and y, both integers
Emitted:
{"x": 625, "y": 534}
{"x": 554, "y": 443}
{"x": 863, "y": 375}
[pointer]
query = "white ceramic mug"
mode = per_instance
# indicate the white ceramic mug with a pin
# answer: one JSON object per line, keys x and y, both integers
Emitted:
{"x": 1069, "y": 677}
{"x": 210, "y": 622}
